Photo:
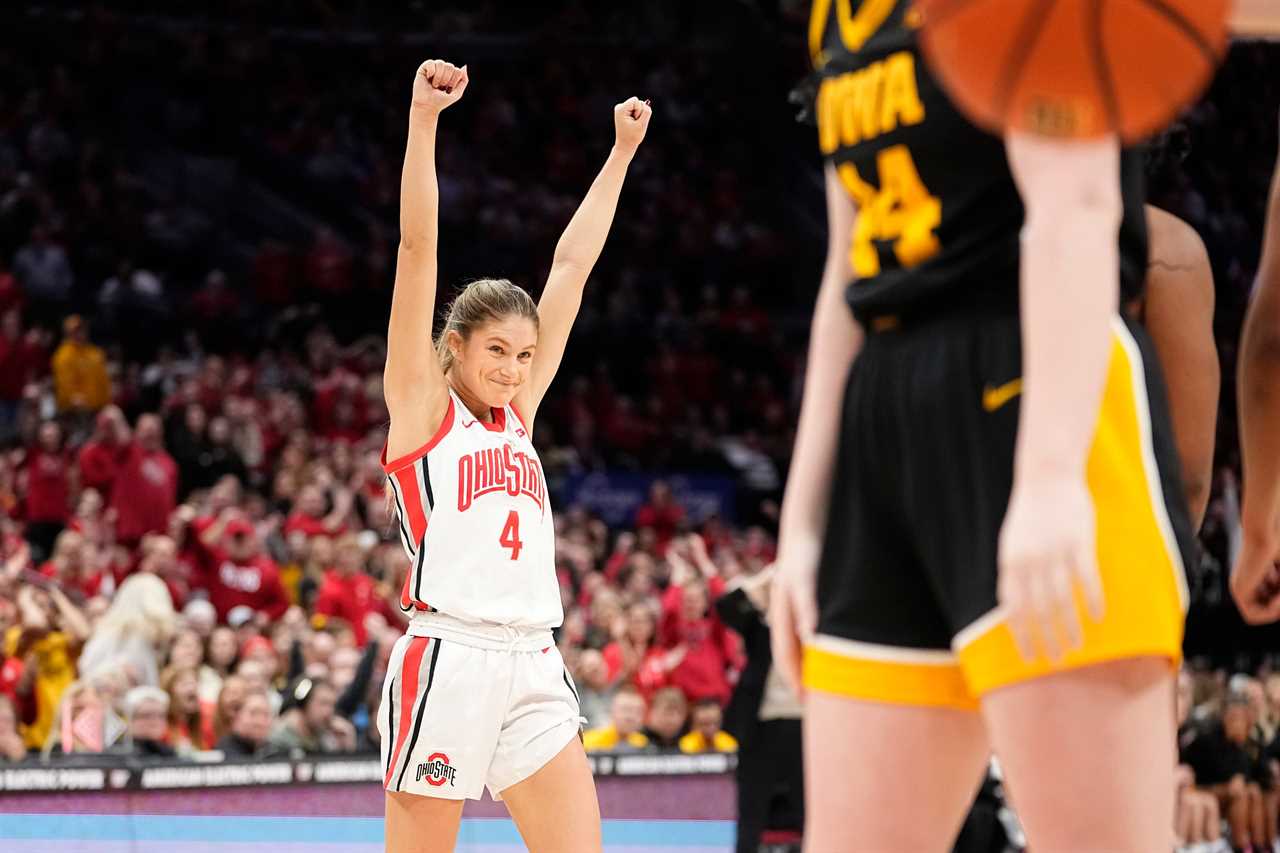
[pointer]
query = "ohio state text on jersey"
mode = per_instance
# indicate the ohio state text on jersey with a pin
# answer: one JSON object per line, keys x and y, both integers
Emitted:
{"x": 487, "y": 554}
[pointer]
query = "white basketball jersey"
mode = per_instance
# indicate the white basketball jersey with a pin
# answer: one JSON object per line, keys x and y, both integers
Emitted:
{"x": 475, "y": 520}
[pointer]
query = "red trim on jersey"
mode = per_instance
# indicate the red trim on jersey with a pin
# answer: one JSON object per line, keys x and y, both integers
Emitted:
{"x": 520, "y": 418}
{"x": 408, "y": 694}
{"x": 407, "y": 601}
{"x": 415, "y": 512}
{"x": 499, "y": 421}
{"x": 422, "y": 451}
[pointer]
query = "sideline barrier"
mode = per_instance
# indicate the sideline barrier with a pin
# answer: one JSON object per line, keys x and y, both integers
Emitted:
{"x": 121, "y": 773}
{"x": 660, "y": 803}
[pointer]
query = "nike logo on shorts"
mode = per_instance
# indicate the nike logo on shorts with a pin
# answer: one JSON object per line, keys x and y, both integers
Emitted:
{"x": 993, "y": 397}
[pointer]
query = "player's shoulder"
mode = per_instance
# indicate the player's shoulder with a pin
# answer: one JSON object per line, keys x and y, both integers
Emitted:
{"x": 1179, "y": 279}
{"x": 841, "y": 31}
{"x": 1174, "y": 241}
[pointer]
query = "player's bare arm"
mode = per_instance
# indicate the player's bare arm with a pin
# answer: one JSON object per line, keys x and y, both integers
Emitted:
{"x": 577, "y": 252}
{"x": 1254, "y": 581}
{"x": 1069, "y": 281}
{"x": 413, "y": 383}
{"x": 1179, "y": 319}
{"x": 1256, "y": 18}
{"x": 834, "y": 341}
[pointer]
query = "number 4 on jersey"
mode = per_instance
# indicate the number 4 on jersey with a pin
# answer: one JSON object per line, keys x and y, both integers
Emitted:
{"x": 511, "y": 535}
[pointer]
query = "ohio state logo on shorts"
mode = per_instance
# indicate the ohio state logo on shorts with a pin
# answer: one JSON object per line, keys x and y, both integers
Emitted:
{"x": 436, "y": 770}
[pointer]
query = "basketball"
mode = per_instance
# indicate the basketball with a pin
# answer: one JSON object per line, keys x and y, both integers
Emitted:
{"x": 1074, "y": 68}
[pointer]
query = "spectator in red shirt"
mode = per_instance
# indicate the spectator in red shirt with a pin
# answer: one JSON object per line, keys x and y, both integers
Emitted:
{"x": 48, "y": 475}
{"x": 20, "y": 358}
{"x": 73, "y": 565}
{"x": 160, "y": 558}
{"x": 10, "y": 667}
{"x": 634, "y": 656}
{"x": 186, "y": 539}
{"x": 240, "y": 574}
{"x": 339, "y": 409}
{"x": 705, "y": 655}
{"x": 623, "y": 548}
{"x": 350, "y": 594}
{"x": 309, "y": 516}
{"x": 146, "y": 486}
{"x": 661, "y": 514}
{"x": 101, "y": 455}
{"x": 11, "y": 295}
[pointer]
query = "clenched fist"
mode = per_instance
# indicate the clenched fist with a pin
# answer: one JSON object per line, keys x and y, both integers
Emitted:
{"x": 630, "y": 120}
{"x": 437, "y": 85}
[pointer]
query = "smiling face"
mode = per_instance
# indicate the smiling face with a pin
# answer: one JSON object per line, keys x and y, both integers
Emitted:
{"x": 492, "y": 363}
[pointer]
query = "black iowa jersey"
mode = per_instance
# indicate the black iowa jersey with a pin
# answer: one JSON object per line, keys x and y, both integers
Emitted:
{"x": 939, "y": 214}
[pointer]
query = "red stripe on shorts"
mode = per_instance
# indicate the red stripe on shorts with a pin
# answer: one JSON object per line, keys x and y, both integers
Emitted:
{"x": 408, "y": 693}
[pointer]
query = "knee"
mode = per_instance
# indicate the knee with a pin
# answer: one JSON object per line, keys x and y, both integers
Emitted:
{"x": 1236, "y": 788}
{"x": 1194, "y": 805}
{"x": 1212, "y": 815}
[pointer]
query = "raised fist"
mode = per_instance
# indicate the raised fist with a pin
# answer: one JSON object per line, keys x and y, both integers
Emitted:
{"x": 630, "y": 121}
{"x": 437, "y": 85}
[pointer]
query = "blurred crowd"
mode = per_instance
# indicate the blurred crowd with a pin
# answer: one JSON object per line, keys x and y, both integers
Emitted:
{"x": 192, "y": 517}
{"x": 229, "y": 625}
{"x": 227, "y": 206}
{"x": 1228, "y": 758}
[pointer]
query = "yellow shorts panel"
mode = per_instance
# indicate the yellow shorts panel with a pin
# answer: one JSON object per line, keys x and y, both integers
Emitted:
{"x": 1138, "y": 557}
{"x": 885, "y": 674}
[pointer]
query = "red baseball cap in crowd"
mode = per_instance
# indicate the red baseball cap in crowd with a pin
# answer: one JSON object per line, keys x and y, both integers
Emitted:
{"x": 239, "y": 527}
{"x": 256, "y": 644}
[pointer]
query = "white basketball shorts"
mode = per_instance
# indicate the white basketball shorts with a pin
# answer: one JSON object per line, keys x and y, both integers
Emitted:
{"x": 455, "y": 718}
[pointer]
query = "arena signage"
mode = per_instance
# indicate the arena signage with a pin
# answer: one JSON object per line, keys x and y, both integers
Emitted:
{"x": 136, "y": 775}
{"x": 616, "y": 495}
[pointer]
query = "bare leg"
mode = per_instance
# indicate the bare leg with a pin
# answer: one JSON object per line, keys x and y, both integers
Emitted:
{"x": 1234, "y": 801}
{"x": 1211, "y": 825}
{"x": 1270, "y": 803}
{"x": 1185, "y": 818}
{"x": 421, "y": 824}
{"x": 1257, "y": 821}
{"x": 1089, "y": 756}
{"x": 859, "y": 796}
{"x": 556, "y": 809}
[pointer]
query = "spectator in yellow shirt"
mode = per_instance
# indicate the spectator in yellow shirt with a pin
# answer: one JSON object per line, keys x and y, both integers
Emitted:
{"x": 705, "y": 734}
{"x": 623, "y": 732}
{"x": 80, "y": 379}
{"x": 49, "y": 636}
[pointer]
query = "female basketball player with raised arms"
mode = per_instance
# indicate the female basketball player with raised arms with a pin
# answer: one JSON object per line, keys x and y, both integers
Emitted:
{"x": 994, "y": 527}
{"x": 476, "y": 694}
